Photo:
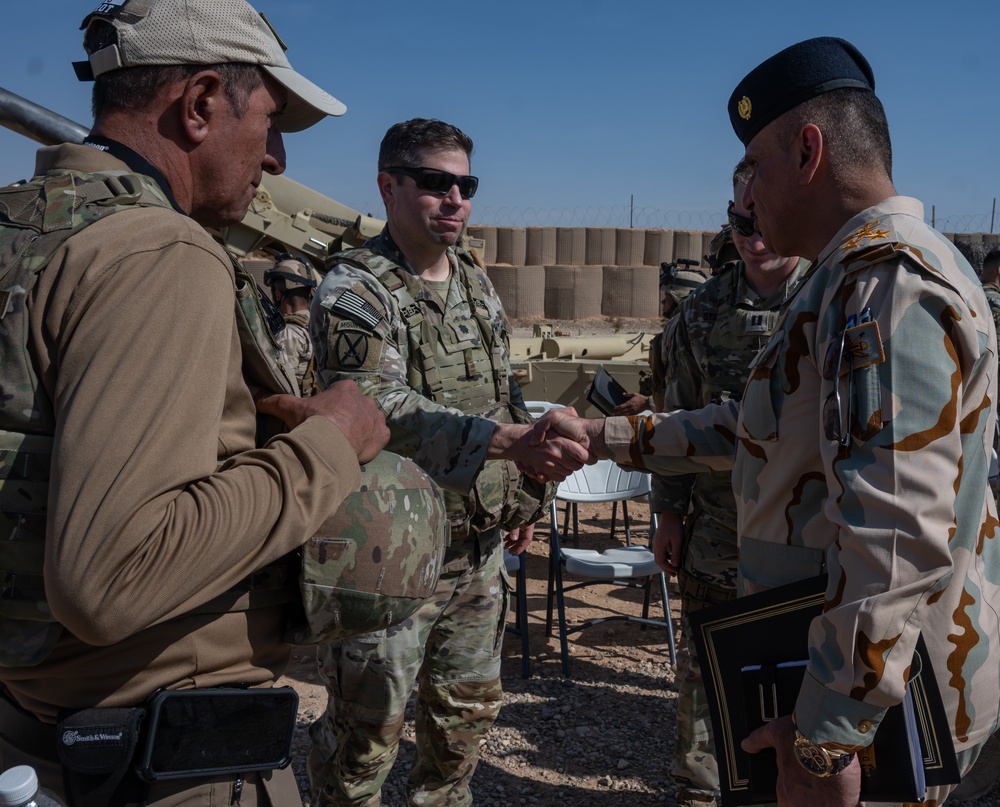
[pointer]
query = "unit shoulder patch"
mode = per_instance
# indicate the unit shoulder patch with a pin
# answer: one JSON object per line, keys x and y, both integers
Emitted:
{"x": 353, "y": 347}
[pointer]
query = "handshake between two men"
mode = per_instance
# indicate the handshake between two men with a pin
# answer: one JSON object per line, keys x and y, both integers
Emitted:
{"x": 556, "y": 445}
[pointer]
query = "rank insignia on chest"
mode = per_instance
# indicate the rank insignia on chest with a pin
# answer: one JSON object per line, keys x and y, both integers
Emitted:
{"x": 759, "y": 323}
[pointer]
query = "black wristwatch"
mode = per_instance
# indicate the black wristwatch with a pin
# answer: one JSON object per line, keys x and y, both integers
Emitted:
{"x": 816, "y": 759}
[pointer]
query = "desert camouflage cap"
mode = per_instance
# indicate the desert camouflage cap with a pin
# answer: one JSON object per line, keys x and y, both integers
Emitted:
{"x": 173, "y": 32}
{"x": 375, "y": 560}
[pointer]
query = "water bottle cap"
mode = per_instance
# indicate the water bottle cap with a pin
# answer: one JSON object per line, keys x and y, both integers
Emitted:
{"x": 17, "y": 785}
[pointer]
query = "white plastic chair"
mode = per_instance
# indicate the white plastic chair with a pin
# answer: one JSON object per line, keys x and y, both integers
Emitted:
{"x": 602, "y": 482}
{"x": 538, "y": 408}
{"x": 630, "y": 566}
{"x": 516, "y": 567}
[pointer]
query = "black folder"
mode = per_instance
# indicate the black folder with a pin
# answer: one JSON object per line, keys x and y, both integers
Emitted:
{"x": 605, "y": 393}
{"x": 751, "y": 643}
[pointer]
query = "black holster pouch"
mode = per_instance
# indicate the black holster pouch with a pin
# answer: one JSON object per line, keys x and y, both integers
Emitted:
{"x": 96, "y": 748}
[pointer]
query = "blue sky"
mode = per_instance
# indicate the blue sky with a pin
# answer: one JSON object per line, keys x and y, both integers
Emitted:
{"x": 579, "y": 106}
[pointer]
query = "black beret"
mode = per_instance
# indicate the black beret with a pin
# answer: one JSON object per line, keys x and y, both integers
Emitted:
{"x": 792, "y": 77}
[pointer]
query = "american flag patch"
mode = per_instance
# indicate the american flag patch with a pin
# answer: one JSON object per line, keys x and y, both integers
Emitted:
{"x": 357, "y": 308}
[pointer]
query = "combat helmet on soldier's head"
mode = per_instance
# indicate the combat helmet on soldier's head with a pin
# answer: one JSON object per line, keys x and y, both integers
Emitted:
{"x": 377, "y": 558}
{"x": 678, "y": 283}
{"x": 293, "y": 271}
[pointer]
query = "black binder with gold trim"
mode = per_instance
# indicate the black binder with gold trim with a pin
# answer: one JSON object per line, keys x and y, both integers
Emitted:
{"x": 771, "y": 628}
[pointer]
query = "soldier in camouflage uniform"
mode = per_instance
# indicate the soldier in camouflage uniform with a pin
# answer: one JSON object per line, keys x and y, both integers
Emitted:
{"x": 991, "y": 286}
{"x": 292, "y": 286}
{"x": 675, "y": 285}
{"x": 861, "y": 445}
{"x": 415, "y": 322}
{"x": 710, "y": 344}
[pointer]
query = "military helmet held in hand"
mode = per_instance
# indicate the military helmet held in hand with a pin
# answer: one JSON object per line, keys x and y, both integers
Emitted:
{"x": 377, "y": 558}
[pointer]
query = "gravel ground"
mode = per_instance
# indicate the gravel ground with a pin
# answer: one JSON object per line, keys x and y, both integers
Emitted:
{"x": 603, "y": 737}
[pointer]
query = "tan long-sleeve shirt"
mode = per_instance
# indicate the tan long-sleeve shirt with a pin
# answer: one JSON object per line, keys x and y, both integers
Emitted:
{"x": 159, "y": 500}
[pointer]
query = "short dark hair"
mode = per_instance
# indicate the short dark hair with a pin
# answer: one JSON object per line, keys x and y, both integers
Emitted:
{"x": 992, "y": 261}
{"x": 403, "y": 140}
{"x": 138, "y": 87}
{"x": 854, "y": 128}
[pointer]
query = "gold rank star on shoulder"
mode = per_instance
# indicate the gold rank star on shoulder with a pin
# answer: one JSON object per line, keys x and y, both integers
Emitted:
{"x": 867, "y": 232}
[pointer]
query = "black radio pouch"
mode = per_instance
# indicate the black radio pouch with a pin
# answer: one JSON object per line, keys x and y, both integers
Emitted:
{"x": 96, "y": 748}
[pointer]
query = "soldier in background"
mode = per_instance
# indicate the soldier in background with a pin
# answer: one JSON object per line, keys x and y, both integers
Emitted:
{"x": 292, "y": 286}
{"x": 991, "y": 286}
{"x": 675, "y": 285}
{"x": 710, "y": 345}
{"x": 416, "y": 323}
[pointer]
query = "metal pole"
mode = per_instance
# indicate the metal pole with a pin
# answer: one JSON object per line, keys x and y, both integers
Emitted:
{"x": 933, "y": 218}
{"x": 993, "y": 215}
{"x": 631, "y": 208}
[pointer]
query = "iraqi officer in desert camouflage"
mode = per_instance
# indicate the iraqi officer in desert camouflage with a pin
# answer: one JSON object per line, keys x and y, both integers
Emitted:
{"x": 863, "y": 437}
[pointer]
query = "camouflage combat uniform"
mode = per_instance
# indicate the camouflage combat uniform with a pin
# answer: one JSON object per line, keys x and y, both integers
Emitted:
{"x": 360, "y": 331}
{"x": 710, "y": 343}
{"x": 297, "y": 351}
{"x": 992, "y": 292}
{"x": 910, "y": 540}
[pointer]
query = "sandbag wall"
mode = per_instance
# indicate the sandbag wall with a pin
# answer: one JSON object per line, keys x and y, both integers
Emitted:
{"x": 571, "y": 273}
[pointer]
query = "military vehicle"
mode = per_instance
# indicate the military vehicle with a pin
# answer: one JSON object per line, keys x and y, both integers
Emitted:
{"x": 288, "y": 217}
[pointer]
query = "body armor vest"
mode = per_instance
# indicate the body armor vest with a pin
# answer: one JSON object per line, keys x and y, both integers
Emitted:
{"x": 36, "y": 218}
{"x": 457, "y": 360}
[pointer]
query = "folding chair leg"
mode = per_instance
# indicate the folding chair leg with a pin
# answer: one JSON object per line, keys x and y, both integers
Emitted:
{"x": 628, "y": 532}
{"x": 667, "y": 618}
{"x": 521, "y": 616}
{"x": 550, "y": 593}
{"x": 614, "y": 518}
{"x": 561, "y": 603}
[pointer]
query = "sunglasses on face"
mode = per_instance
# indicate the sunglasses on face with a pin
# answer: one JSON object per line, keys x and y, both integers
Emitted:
{"x": 744, "y": 225}
{"x": 436, "y": 181}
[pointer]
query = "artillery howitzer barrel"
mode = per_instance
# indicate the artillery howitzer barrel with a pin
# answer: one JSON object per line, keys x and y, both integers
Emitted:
{"x": 36, "y": 122}
{"x": 335, "y": 220}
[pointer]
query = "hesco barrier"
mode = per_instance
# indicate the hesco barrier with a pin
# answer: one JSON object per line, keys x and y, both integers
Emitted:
{"x": 521, "y": 289}
{"x": 658, "y": 247}
{"x": 572, "y": 292}
{"x": 571, "y": 246}
{"x": 631, "y": 291}
{"x": 590, "y": 246}
{"x": 540, "y": 246}
{"x": 600, "y": 246}
{"x": 511, "y": 245}
{"x": 629, "y": 247}
{"x": 584, "y": 272}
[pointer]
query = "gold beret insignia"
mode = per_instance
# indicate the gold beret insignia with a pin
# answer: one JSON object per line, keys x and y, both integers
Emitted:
{"x": 744, "y": 108}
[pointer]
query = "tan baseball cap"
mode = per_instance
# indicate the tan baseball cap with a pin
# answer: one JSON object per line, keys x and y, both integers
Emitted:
{"x": 171, "y": 32}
